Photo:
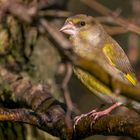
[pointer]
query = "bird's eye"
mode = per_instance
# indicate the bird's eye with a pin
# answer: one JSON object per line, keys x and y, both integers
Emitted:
{"x": 82, "y": 23}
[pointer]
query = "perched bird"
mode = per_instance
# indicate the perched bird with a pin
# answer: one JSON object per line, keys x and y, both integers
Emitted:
{"x": 92, "y": 42}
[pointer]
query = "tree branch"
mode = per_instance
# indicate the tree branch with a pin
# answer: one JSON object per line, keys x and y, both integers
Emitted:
{"x": 111, "y": 16}
{"x": 48, "y": 114}
{"x": 51, "y": 119}
{"x": 112, "y": 124}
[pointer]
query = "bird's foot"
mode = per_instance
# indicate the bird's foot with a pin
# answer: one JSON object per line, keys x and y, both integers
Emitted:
{"x": 78, "y": 118}
{"x": 95, "y": 115}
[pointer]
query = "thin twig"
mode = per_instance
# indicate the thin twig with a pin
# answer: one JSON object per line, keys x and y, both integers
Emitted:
{"x": 65, "y": 44}
{"x": 111, "y": 16}
{"x": 64, "y": 87}
{"x": 55, "y": 13}
{"x": 115, "y": 30}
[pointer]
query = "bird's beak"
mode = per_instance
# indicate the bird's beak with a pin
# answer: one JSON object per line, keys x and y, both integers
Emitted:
{"x": 68, "y": 28}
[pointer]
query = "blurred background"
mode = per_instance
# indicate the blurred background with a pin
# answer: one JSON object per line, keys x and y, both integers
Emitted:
{"x": 45, "y": 65}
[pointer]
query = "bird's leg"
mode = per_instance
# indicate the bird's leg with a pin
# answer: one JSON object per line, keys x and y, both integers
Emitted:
{"x": 97, "y": 114}
{"x": 78, "y": 118}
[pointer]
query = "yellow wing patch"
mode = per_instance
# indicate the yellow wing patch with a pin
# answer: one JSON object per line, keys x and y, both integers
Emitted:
{"x": 107, "y": 49}
{"x": 131, "y": 79}
{"x": 108, "y": 53}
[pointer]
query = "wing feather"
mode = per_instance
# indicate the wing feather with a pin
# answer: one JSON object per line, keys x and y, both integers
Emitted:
{"x": 118, "y": 59}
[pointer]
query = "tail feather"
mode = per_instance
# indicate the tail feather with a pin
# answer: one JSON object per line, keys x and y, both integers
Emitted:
{"x": 131, "y": 79}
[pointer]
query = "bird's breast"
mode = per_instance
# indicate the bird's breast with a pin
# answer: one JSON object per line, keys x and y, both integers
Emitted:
{"x": 86, "y": 46}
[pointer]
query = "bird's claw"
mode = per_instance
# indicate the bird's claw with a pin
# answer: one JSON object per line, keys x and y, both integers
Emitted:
{"x": 99, "y": 114}
{"x": 78, "y": 118}
{"x": 95, "y": 115}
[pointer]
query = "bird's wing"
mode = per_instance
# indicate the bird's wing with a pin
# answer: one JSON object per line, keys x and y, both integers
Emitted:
{"x": 117, "y": 58}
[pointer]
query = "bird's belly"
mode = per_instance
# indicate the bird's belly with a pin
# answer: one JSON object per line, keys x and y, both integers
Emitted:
{"x": 93, "y": 84}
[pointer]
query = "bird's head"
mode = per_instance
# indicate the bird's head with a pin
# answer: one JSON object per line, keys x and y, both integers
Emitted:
{"x": 77, "y": 23}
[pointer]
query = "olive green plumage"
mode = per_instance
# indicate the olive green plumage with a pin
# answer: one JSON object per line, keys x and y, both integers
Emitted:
{"x": 92, "y": 42}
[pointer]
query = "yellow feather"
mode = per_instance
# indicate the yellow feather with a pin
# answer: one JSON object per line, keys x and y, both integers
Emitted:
{"x": 108, "y": 53}
{"x": 131, "y": 79}
{"x": 93, "y": 84}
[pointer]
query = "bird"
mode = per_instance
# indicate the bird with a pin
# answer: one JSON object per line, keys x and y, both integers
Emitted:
{"x": 91, "y": 41}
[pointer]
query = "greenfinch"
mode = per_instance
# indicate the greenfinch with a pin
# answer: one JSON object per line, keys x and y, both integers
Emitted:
{"x": 92, "y": 42}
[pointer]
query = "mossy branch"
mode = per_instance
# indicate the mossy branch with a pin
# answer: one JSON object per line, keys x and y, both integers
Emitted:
{"x": 48, "y": 114}
{"x": 114, "y": 125}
